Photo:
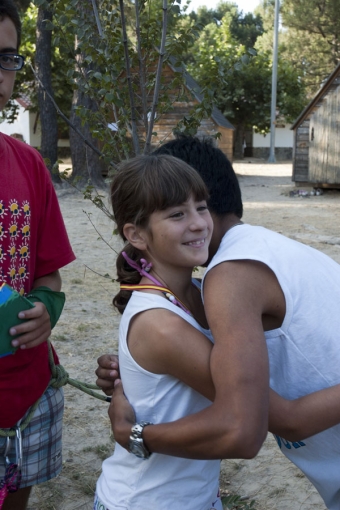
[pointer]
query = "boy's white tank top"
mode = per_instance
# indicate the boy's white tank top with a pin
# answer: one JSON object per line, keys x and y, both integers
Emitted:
{"x": 304, "y": 354}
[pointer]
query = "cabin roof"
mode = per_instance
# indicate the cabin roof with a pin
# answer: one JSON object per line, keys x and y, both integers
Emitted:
{"x": 329, "y": 83}
{"x": 196, "y": 90}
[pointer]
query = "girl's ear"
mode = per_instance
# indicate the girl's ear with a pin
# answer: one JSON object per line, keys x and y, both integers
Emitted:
{"x": 135, "y": 236}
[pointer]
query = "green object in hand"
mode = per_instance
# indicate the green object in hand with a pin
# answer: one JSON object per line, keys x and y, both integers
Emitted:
{"x": 53, "y": 300}
{"x": 11, "y": 304}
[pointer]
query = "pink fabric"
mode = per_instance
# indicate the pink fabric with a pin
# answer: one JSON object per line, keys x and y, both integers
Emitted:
{"x": 3, "y": 494}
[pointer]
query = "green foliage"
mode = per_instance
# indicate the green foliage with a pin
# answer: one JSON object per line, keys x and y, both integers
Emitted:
{"x": 112, "y": 58}
{"x": 241, "y": 79}
{"x": 25, "y": 85}
{"x": 312, "y": 38}
{"x": 115, "y": 65}
{"x": 204, "y": 16}
{"x": 321, "y": 18}
{"x": 301, "y": 43}
{"x": 244, "y": 28}
{"x": 24, "y": 80}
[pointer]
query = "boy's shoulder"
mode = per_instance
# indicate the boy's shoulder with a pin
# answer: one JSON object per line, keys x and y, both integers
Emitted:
{"x": 18, "y": 145}
{"x": 17, "y": 156}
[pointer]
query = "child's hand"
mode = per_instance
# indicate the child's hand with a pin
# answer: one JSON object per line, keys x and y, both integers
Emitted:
{"x": 122, "y": 415}
{"x": 35, "y": 331}
{"x": 107, "y": 372}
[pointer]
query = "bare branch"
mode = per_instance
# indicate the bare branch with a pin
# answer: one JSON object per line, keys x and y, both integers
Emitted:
{"x": 135, "y": 139}
{"x": 109, "y": 215}
{"x": 96, "y": 15}
{"x": 87, "y": 142}
{"x": 147, "y": 147}
{"x": 79, "y": 67}
{"x": 141, "y": 60}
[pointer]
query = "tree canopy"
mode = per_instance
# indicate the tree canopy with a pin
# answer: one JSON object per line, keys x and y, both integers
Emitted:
{"x": 240, "y": 76}
{"x": 312, "y": 38}
{"x": 110, "y": 54}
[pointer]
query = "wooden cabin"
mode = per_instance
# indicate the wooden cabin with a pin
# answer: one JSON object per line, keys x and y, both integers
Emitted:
{"x": 216, "y": 123}
{"x": 316, "y": 151}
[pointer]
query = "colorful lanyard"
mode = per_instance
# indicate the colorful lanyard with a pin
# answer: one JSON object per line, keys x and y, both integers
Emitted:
{"x": 167, "y": 293}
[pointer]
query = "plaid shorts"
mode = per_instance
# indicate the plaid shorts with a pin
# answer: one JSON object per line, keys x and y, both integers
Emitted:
{"x": 41, "y": 441}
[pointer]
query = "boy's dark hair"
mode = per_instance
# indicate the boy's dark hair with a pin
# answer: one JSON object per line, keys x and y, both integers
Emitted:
{"x": 8, "y": 8}
{"x": 214, "y": 168}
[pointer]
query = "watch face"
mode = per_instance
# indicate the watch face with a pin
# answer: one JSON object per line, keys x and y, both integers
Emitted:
{"x": 138, "y": 449}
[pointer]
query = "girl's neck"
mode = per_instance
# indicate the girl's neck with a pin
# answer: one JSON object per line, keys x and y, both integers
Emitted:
{"x": 179, "y": 282}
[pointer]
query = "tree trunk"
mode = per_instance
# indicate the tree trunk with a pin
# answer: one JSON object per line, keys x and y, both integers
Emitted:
{"x": 87, "y": 167}
{"x": 48, "y": 114}
{"x": 239, "y": 142}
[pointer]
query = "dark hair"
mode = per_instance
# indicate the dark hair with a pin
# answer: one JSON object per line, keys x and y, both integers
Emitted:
{"x": 214, "y": 168}
{"x": 8, "y": 8}
{"x": 141, "y": 186}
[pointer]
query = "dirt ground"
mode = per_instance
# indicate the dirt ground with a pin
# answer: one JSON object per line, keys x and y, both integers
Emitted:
{"x": 88, "y": 328}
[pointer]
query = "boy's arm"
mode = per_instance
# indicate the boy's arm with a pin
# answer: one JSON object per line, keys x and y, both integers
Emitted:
{"x": 239, "y": 369}
{"x": 37, "y": 329}
{"x": 235, "y": 425}
{"x": 306, "y": 416}
{"x": 51, "y": 280}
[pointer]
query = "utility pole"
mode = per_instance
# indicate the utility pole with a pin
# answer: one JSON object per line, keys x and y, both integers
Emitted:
{"x": 272, "y": 158}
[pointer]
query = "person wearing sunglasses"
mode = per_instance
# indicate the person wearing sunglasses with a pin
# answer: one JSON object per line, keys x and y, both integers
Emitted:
{"x": 33, "y": 247}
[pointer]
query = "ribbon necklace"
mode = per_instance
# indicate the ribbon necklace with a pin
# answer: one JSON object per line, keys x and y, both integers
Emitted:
{"x": 143, "y": 269}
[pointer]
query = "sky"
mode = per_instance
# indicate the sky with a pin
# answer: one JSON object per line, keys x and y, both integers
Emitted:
{"x": 244, "y": 5}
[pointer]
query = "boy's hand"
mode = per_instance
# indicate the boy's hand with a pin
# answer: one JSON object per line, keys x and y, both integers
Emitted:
{"x": 122, "y": 415}
{"x": 35, "y": 331}
{"x": 107, "y": 372}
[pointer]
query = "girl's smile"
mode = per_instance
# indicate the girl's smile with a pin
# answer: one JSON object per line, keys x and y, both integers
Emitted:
{"x": 180, "y": 235}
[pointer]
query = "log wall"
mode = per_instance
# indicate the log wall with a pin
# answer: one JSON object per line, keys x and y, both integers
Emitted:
{"x": 324, "y": 152}
{"x": 165, "y": 124}
{"x": 301, "y": 152}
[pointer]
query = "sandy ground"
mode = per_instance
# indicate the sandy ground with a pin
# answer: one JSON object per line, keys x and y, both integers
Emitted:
{"x": 88, "y": 328}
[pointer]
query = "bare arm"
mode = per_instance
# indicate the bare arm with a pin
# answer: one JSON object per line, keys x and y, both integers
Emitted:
{"x": 51, "y": 280}
{"x": 37, "y": 329}
{"x": 306, "y": 416}
{"x": 235, "y": 425}
{"x": 164, "y": 343}
{"x": 293, "y": 420}
{"x": 205, "y": 434}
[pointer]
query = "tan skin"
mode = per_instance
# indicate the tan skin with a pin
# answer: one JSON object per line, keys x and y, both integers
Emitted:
{"x": 37, "y": 329}
{"x": 249, "y": 302}
{"x": 160, "y": 341}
